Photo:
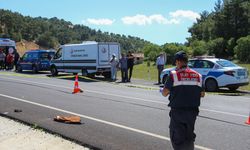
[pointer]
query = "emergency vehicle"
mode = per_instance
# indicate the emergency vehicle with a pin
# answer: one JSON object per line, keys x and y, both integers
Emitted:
{"x": 88, "y": 58}
{"x": 216, "y": 73}
{"x": 35, "y": 60}
{"x": 6, "y": 43}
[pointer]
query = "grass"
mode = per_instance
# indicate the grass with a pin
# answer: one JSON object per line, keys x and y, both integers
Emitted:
{"x": 247, "y": 87}
{"x": 145, "y": 72}
{"x": 149, "y": 73}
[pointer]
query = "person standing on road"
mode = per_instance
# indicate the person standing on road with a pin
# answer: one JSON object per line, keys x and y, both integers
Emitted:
{"x": 10, "y": 59}
{"x": 113, "y": 62}
{"x": 16, "y": 58}
{"x": 160, "y": 62}
{"x": 184, "y": 87}
{"x": 2, "y": 59}
{"x": 130, "y": 57}
{"x": 124, "y": 68}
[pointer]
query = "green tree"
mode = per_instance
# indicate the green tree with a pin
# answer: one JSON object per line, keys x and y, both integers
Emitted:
{"x": 218, "y": 48}
{"x": 199, "y": 48}
{"x": 242, "y": 49}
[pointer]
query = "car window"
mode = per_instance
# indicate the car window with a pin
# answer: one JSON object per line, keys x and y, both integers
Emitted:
{"x": 198, "y": 64}
{"x": 33, "y": 55}
{"x": 45, "y": 56}
{"x": 208, "y": 64}
{"x": 203, "y": 64}
{"x": 58, "y": 54}
{"x": 226, "y": 63}
{"x": 191, "y": 63}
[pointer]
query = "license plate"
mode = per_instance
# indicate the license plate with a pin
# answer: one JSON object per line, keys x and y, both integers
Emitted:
{"x": 241, "y": 73}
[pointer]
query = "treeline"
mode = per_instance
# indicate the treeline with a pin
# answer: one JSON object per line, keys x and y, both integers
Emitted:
{"x": 51, "y": 32}
{"x": 224, "y": 33}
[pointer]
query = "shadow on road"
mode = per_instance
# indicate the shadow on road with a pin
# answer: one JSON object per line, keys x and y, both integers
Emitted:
{"x": 80, "y": 78}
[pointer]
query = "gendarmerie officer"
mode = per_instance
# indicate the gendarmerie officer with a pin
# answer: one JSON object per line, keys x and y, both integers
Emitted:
{"x": 184, "y": 87}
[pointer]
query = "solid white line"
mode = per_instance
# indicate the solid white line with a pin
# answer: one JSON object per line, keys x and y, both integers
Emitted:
{"x": 99, "y": 120}
{"x": 140, "y": 99}
{"x": 222, "y": 112}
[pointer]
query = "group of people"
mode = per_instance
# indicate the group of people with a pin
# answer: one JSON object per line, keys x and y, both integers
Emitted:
{"x": 8, "y": 58}
{"x": 125, "y": 63}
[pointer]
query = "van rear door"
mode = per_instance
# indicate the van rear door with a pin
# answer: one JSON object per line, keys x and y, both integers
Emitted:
{"x": 114, "y": 49}
{"x": 103, "y": 54}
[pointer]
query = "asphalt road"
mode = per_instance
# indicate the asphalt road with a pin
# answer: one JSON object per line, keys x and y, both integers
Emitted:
{"x": 120, "y": 116}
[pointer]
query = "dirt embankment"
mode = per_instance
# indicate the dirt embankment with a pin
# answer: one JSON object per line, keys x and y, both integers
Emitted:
{"x": 24, "y": 46}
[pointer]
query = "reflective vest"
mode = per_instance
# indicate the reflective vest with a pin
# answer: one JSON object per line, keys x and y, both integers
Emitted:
{"x": 186, "y": 88}
{"x": 186, "y": 77}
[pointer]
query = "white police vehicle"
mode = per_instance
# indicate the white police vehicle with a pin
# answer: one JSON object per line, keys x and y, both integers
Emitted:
{"x": 216, "y": 73}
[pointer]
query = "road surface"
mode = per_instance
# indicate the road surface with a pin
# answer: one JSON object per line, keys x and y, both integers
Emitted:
{"x": 117, "y": 116}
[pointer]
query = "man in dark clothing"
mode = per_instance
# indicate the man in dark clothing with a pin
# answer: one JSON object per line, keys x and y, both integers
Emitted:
{"x": 124, "y": 68}
{"x": 184, "y": 87}
{"x": 16, "y": 58}
{"x": 130, "y": 64}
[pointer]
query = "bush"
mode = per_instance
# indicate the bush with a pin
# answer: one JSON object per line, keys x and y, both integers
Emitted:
{"x": 242, "y": 49}
{"x": 199, "y": 48}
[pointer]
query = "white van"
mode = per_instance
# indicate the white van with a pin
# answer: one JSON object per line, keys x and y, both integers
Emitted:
{"x": 88, "y": 58}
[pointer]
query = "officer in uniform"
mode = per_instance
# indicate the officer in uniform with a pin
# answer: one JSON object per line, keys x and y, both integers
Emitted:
{"x": 184, "y": 87}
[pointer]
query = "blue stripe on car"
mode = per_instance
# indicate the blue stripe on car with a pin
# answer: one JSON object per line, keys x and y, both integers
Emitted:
{"x": 215, "y": 74}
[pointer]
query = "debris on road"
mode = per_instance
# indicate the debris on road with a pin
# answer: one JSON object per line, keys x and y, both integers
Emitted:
{"x": 68, "y": 119}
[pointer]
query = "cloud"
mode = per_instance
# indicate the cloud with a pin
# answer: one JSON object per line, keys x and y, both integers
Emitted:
{"x": 188, "y": 14}
{"x": 140, "y": 19}
{"x": 102, "y": 21}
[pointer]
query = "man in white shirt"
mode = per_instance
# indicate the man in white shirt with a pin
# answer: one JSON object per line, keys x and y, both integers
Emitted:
{"x": 160, "y": 62}
{"x": 113, "y": 62}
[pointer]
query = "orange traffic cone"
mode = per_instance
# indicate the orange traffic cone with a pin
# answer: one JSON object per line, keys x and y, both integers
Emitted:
{"x": 76, "y": 87}
{"x": 248, "y": 120}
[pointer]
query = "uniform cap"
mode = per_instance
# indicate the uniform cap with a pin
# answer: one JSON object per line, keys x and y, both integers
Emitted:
{"x": 181, "y": 55}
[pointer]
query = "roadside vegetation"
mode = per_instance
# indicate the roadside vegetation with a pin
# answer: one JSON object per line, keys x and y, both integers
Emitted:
{"x": 149, "y": 73}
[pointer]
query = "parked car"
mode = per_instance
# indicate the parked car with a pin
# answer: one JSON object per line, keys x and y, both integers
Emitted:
{"x": 35, "y": 60}
{"x": 216, "y": 73}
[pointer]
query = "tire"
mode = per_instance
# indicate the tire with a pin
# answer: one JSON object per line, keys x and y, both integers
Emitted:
{"x": 91, "y": 75}
{"x": 211, "y": 85}
{"x": 54, "y": 71}
{"x": 233, "y": 88}
{"x": 19, "y": 69}
{"x": 107, "y": 75}
{"x": 164, "y": 79}
{"x": 34, "y": 69}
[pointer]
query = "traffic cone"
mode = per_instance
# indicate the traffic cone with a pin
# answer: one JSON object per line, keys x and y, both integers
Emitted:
{"x": 248, "y": 120}
{"x": 76, "y": 86}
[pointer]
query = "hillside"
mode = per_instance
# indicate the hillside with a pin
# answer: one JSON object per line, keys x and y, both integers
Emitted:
{"x": 52, "y": 32}
{"x": 23, "y": 46}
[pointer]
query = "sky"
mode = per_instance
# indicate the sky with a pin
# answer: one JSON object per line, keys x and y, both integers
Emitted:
{"x": 157, "y": 21}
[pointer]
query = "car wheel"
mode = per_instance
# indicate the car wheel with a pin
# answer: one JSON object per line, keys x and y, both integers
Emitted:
{"x": 19, "y": 69}
{"x": 53, "y": 71}
{"x": 233, "y": 88}
{"x": 211, "y": 85}
{"x": 164, "y": 79}
{"x": 34, "y": 69}
{"x": 91, "y": 75}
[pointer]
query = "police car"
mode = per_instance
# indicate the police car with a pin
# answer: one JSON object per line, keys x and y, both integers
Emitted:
{"x": 216, "y": 73}
{"x": 35, "y": 60}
